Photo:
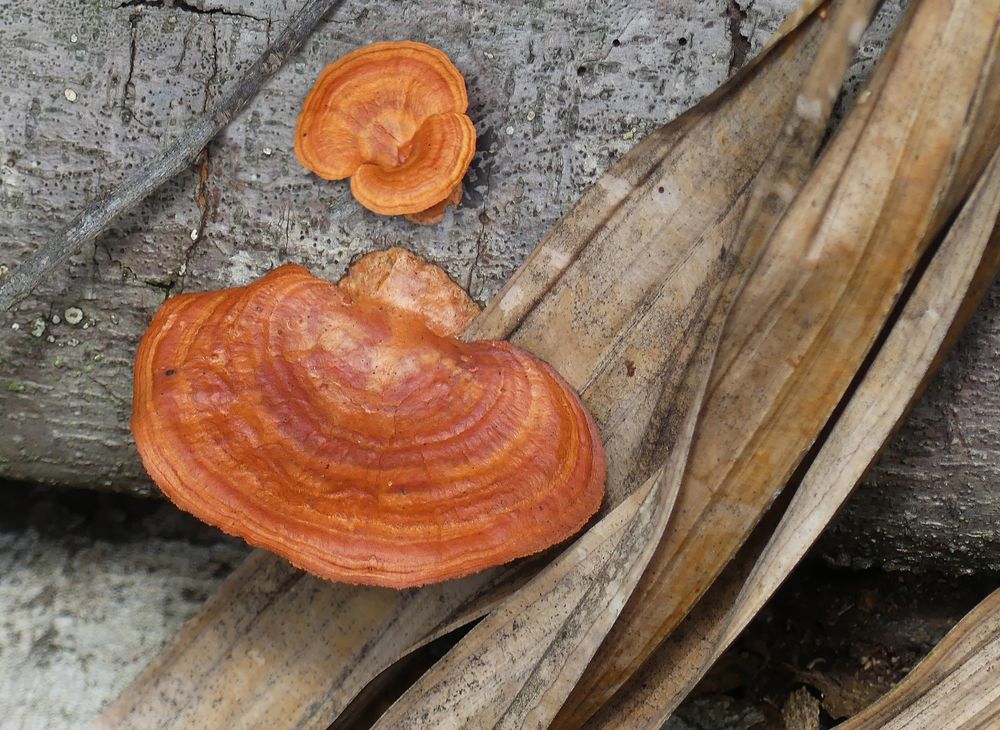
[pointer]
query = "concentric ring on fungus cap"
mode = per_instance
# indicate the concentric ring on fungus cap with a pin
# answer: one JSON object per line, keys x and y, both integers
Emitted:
{"x": 390, "y": 116}
{"x": 343, "y": 429}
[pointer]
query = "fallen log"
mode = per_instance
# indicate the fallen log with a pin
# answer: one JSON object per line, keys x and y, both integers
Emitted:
{"x": 553, "y": 109}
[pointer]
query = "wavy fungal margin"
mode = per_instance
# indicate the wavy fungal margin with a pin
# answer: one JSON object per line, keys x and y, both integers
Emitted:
{"x": 342, "y": 429}
{"x": 391, "y": 117}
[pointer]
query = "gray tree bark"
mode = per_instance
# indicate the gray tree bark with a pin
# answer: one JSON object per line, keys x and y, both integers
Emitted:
{"x": 558, "y": 91}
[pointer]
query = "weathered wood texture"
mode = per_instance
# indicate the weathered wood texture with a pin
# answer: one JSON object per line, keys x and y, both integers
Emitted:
{"x": 92, "y": 88}
{"x": 933, "y": 499}
{"x": 558, "y": 90}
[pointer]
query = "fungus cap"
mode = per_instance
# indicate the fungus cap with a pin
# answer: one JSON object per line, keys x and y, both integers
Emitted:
{"x": 391, "y": 116}
{"x": 340, "y": 428}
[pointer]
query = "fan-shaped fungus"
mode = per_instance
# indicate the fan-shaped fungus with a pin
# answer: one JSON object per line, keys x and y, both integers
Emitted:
{"x": 391, "y": 116}
{"x": 346, "y": 428}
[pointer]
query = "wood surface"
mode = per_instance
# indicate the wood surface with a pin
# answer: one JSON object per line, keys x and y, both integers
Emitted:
{"x": 94, "y": 88}
{"x": 659, "y": 287}
{"x": 94, "y": 220}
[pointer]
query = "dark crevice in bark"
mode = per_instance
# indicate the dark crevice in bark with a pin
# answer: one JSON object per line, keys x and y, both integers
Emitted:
{"x": 188, "y": 7}
{"x": 741, "y": 43}
{"x": 481, "y": 238}
{"x": 204, "y": 199}
{"x": 128, "y": 90}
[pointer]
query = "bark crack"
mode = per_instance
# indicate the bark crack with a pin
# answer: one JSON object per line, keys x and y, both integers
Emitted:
{"x": 128, "y": 274}
{"x": 215, "y": 69}
{"x": 184, "y": 47}
{"x": 128, "y": 90}
{"x": 203, "y": 197}
{"x": 736, "y": 14}
{"x": 205, "y": 200}
{"x": 187, "y": 7}
{"x": 118, "y": 399}
{"x": 484, "y": 219}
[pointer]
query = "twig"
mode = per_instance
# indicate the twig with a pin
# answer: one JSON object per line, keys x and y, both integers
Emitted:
{"x": 102, "y": 212}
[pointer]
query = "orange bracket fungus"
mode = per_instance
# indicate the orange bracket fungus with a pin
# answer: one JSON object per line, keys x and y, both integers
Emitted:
{"x": 348, "y": 429}
{"x": 391, "y": 116}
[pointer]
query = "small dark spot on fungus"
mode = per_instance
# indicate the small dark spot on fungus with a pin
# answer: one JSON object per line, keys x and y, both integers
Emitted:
{"x": 581, "y": 70}
{"x": 616, "y": 43}
{"x": 170, "y": 373}
{"x": 682, "y": 41}
{"x": 660, "y": 189}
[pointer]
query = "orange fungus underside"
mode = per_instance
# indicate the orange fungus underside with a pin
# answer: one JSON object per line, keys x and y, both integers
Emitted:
{"x": 391, "y": 116}
{"x": 346, "y": 428}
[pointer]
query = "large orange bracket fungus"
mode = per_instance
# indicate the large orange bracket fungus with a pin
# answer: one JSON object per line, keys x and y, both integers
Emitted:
{"x": 348, "y": 429}
{"x": 391, "y": 116}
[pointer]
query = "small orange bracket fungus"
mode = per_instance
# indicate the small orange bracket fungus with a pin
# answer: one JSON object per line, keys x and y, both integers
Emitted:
{"x": 348, "y": 429}
{"x": 391, "y": 116}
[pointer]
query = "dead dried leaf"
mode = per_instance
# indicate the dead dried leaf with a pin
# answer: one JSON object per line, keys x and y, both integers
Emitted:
{"x": 574, "y": 603}
{"x": 953, "y": 283}
{"x": 889, "y": 180}
{"x": 954, "y": 686}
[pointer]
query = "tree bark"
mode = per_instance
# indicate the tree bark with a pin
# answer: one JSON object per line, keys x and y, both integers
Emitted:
{"x": 557, "y": 92}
